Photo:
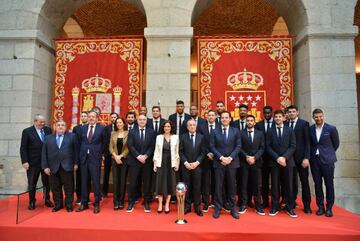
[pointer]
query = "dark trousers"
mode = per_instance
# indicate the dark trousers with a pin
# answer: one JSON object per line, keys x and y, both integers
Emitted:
{"x": 119, "y": 182}
{"x": 324, "y": 172}
{"x": 228, "y": 174}
{"x": 239, "y": 180}
{"x": 253, "y": 174}
{"x": 303, "y": 174}
{"x": 207, "y": 183}
{"x": 78, "y": 183}
{"x": 145, "y": 172}
{"x": 265, "y": 183}
{"x": 33, "y": 174}
{"x": 286, "y": 175}
{"x": 107, "y": 170}
{"x": 94, "y": 170}
{"x": 192, "y": 179}
{"x": 59, "y": 180}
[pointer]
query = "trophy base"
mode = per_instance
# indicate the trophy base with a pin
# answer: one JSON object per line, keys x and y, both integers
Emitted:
{"x": 181, "y": 221}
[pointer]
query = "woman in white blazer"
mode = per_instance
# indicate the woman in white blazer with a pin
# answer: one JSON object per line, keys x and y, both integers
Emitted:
{"x": 166, "y": 163}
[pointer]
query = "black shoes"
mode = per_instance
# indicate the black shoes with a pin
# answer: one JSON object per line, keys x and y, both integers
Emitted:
{"x": 235, "y": 214}
{"x": 216, "y": 214}
{"x": 82, "y": 208}
{"x": 31, "y": 205}
{"x": 273, "y": 212}
{"x": 121, "y": 205}
{"x": 259, "y": 211}
{"x": 242, "y": 209}
{"x": 48, "y": 203}
{"x": 96, "y": 208}
{"x": 69, "y": 209}
{"x": 291, "y": 213}
{"x": 147, "y": 207}
{"x": 130, "y": 208}
{"x": 199, "y": 212}
{"x": 320, "y": 211}
{"x": 187, "y": 210}
{"x": 55, "y": 209}
{"x": 205, "y": 208}
{"x": 329, "y": 213}
{"x": 307, "y": 210}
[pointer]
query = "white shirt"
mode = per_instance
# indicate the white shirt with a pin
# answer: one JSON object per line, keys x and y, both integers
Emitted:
{"x": 94, "y": 126}
{"x": 178, "y": 123}
{"x": 226, "y": 131}
{"x": 130, "y": 126}
{"x": 39, "y": 132}
{"x": 266, "y": 123}
{"x": 242, "y": 124}
{"x": 318, "y": 134}
{"x": 251, "y": 133}
{"x": 158, "y": 123}
{"x": 209, "y": 126}
{"x": 143, "y": 131}
{"x": 295, "y": 121}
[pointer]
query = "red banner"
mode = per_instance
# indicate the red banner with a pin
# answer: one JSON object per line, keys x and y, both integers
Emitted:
{"x": 102, "y": 74}
{"x": 253, "y": 71}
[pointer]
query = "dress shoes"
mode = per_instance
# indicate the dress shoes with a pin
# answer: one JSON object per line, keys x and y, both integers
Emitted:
{"x": 82, "y": 208}
{"x": 187, "y": 210}
{"x": 69, "y": 209}
{"x": 130, "y": 208}
{"x": 307, "y": 210}
{"x": 216, "y": 214}
{"x": 48, "y": 203}
{"x": 329, "y": 213}
{"x": 31, "y": 205}
{"x": 55, "y": 209}
{"x": 199, "y": 212}
{"x": 235, "y": 214}
{"x": 96, "y": 208}
{"x": 320, "y": 211}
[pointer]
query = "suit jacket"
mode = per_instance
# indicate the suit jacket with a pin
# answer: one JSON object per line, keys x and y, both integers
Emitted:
{"x": 66, "y": 155}
{"x": 229, "y": 149}
{"x": 150, "y": 124}
{"x": 302, "y": 135}
{"x": 236, "y": 124}
{"x": 255, "y": 148}
{"x": 92, "y": 152}
{"x": 190, "y": 154}
{"x": 113, "y": 144}
{"x": 108, "y": 131}
{"x": 204, "y": 130}
{"x": 285, "y": 149}
{"x": 183, "y": 128}
{"x": 328, "y": 143}
{"x": 31, "y": 145}
{"x": 136, "y": 147}
{"x": 261, "y": 126}
{"x": 174, "y": 150}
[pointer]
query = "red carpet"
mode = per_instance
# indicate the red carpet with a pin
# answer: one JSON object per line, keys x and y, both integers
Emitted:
{"x": 42, "y": 224}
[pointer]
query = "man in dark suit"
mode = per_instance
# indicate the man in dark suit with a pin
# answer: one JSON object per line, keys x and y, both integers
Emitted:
{"x": 30, "y": 151}
{"x": 220, "y": 107}
{"x": 77, "y": 131}
{"x": 141, "y": 144}
{"x": 264, "y": 126}
{"x": 156, "y": 121}
{"x": 59, "y": 160}
{"x": 253, "y": 146}
{"x": 241, "y": 122}
{"x": 281, "y": 145}
{"x": 225, "y": 143}
{"x": 301, "y": 156}
{"x": 324, "y": 141}
{"x": 207, "y": 180}
{"x": 179, "y": 118}
{"x": 192, "y": 153}
{"x": 131, "y": 120}
{"x": 92, "y": 146}
{"x": 194, "y": 114}
{"x": 107, "y": 160}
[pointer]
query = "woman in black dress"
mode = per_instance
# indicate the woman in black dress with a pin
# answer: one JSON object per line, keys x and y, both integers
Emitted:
{"x": 166, "y": 163}
{"x": 119, "y": 150}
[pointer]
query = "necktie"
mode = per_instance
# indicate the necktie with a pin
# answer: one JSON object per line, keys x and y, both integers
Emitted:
{"x": 156, "y": 126}
{"x": 279, "y": 134}
{"x": 192, "y": 140}
{"x": 250, "y": 138}
{"x": 179, "y": 123}
{"x": 292, "y": 124}
{"x": 268, "y": 126}
{"x": 58, "y": 139}
{"x": 91, "y": 134}
{"x": 224, "y": 133}
{"x": 42, "y": 134}
{"x": 242, "y": 125}
{"x": 211, "y": 129}
{"x": 142, "y": 135}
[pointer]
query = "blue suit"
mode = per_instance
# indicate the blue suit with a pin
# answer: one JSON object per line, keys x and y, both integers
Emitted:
{"x": 90, "y": 160}
{"x": 229, "y": 147}
{"x": 323, "y": 163}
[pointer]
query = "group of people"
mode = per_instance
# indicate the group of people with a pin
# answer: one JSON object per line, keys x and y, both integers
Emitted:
{"x": 226, "y": 164}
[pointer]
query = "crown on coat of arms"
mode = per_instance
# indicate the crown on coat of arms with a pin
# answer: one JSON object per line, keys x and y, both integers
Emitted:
{"x": 245, "y": 80}
{"x": 96, "y": 84}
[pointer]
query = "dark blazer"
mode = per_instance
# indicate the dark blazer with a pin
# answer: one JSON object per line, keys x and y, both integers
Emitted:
{"x": 183, "y": 128}
{"x": 261, "y": 126}
{"x": 285, "y": 149}
{"x": 92, "y": 151}
{"x": 137, "y": 148}
{"x": 236, "y": 124}
{"x": 31, "y": 145}
{"x": 328, "y": 144}
{"x": 255, "y": 148}
{"x": 231, "y": 148}
{"x": 302, "y": 135}
{"x": 200, "y": 123}
{"x": 204, "y": 130}
{"x": 52, "y": 156}
{"x": 187, "y": 152}
{"x": 150, "y": 124}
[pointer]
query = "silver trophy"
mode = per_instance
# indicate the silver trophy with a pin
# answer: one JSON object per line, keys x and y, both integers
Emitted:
{"x": 180, "y": 194}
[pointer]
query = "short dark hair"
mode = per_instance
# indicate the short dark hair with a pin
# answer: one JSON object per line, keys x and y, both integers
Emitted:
{"x": 96, "y": 113}
{"x": 114, "y": 113}
{"x": 317, "y": 111}
{"x": 123, "y": 120}
{"x": 220, "y": 102}
{"x": 243, "y": 106}
{"x": 251, "y": 116}
{"x": 292, "y": 107}
{"x": 267, "y": 107}
{"x": 281, "y": 112}
{"x": 161, "y": 130}
{"x": 179, "y": 102}
{"x": 156, "y": 107}
{"x": 212, "y": 111}
{"x": 130, "y": 113}
{"x": 225, "y": 111}
{"x": 83, "y": 112}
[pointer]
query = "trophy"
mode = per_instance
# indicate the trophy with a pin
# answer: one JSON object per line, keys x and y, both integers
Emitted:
{"x": 180, "y": 194}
